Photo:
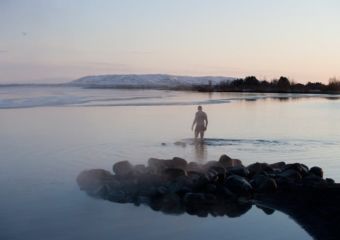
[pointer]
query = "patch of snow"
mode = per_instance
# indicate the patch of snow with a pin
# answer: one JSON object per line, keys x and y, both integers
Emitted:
{"x": 147, "y": 80}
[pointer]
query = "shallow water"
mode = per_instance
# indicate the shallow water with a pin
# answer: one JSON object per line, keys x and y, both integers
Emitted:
{"x": 49, "y": 135}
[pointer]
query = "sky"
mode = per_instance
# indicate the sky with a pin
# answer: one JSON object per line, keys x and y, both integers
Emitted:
{"x": 57, "y": 41}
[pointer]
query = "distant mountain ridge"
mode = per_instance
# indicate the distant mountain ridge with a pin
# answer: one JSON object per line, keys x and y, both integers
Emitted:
{"x": 148, "y": 80}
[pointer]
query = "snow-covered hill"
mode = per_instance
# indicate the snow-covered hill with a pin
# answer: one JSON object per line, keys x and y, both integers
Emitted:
{"x": 147, "y": 80}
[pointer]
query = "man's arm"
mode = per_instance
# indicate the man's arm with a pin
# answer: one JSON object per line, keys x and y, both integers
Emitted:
{"x": 194, "y": 122}
{"x": 206, "y": 120}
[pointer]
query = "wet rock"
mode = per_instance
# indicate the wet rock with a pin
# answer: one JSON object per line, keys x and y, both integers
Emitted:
{"x": 268, "y": 211}
{"x": 210, "y": 164}
{"x": 236, "y": 209}
{"x": 278, "y": 165}
{"x": 219, "y": 170}
{"x": 158, "y": 165}
{"x": 140, "y": 169}
{"x": 311, "y": 179}
{"x": 256, "y": 168}
{"x": 227, "y": 162}
{"x": 123, "y": 168}
{"x": 173, "y": 173}
{"x": 330, "y": 181}
{"x": 263, "y": 184}
{"x": 300, "y": 168}
{"x": 240, "y": 171}
{"x": 178, "y": 162}
{"x": 171, "y": 203}
{"x": 291, "y": 174}
{"x": 212, "y": 175}
{"x": 194, "y": 199}
{"x": 210, "y": 188}
{"x": 317, "y": 171}
{"x": 239, "y": 186}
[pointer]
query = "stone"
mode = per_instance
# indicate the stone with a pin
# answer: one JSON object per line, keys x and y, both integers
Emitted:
{"x": 173, "y": 173}
{"x": 140, "y": 169}
{"x": 227, "y": 162}
{"x": 264, "y": 184}
{"x": 268, "y": 211}
{"x": 239, "y": 186}
{"x": 301, "y": 168}
{"x": 330, "y": 181}
{"x": 158, "y": 165}
{"x": 210, "y": 164}
{"x": 291, "y": 174}
{"x": 311, "y": 179}
{"x": 123, "y": 168}
{"x": 178, "y": 162}
{"x": 256, "y": 168}
{"x": 317, "y": 171}
{"x": 278, "y": 165}
{"x": 239, "y": 170}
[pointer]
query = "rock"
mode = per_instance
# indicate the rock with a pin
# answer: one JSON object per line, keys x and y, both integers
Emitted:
{"x": 171, "y": 203}
{"x": 123, "y": 168}
{"x": 291, "y": 174}
{"x": 239, "y": 170}
{"x": 330, "y": 181}
{"x": 211, "y": 175}
{"x": 173, "y": 173}
{"x": 268, "y": 211}
{"x": 301, "y": 168}
{"x": 194, "y": 199}
{"x": 256, "y": 168}
{"x": 263, "y": 184}
{"x": 210, "y": 164}
{"x": 236, "y": 209}
{"x": 278, "y": 165}
{"x": 239, "y": 186}
{"x": 158, "y": 165}
{"x": 163, "y": 144}
{"x": 178, "y": 162}
{"x": 317, "y": 171}
{"x": 311, "y": 179}
{"x": 140, "y": 169}
{"x": 226, "y": 161}
{"x": 211, "y": 188}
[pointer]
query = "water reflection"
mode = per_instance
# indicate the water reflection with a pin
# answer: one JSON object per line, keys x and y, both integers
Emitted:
{"x": 319, "y": 216}
{"x": 200, "y": 152}
{"x": 316, "y": 208}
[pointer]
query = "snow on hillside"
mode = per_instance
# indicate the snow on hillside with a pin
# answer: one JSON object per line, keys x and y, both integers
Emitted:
{"x": 146, "y": 80}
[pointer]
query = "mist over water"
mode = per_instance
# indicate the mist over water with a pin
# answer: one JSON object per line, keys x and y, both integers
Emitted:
{"x": 50, "y": 134}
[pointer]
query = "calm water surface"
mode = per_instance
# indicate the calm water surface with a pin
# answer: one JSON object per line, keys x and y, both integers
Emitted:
{"x": 49, "y": 135}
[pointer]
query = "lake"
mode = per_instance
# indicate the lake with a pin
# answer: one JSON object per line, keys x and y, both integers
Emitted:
{"x": 50, "y": 134}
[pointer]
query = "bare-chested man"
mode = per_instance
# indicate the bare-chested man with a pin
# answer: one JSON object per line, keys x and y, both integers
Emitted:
{"x": 201, "y": 122}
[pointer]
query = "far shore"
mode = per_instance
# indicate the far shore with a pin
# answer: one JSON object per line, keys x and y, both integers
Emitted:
{"x": 247, "y": 85}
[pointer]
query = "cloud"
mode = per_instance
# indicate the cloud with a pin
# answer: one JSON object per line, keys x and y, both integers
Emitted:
{"x": 3, "y": 51}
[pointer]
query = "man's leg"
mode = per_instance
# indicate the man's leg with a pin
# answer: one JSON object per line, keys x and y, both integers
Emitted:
{"x": 196, "y": 134}
{"x": 202, "y": 135}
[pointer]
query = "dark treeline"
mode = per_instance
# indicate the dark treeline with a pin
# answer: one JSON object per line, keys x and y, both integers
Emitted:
{"x": 281, "y": 85}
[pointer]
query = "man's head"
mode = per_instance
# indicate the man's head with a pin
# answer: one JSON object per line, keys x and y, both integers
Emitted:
{"x": 199, "y": 108}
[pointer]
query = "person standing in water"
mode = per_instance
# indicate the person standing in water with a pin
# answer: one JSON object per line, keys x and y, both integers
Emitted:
{"x": 201, "y": 122}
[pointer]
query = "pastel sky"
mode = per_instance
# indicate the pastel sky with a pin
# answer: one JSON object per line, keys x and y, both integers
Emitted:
{"x": 56, "y": 41}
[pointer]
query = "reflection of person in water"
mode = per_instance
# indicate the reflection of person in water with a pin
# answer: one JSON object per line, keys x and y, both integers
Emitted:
{"x": 201, "y": 122}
